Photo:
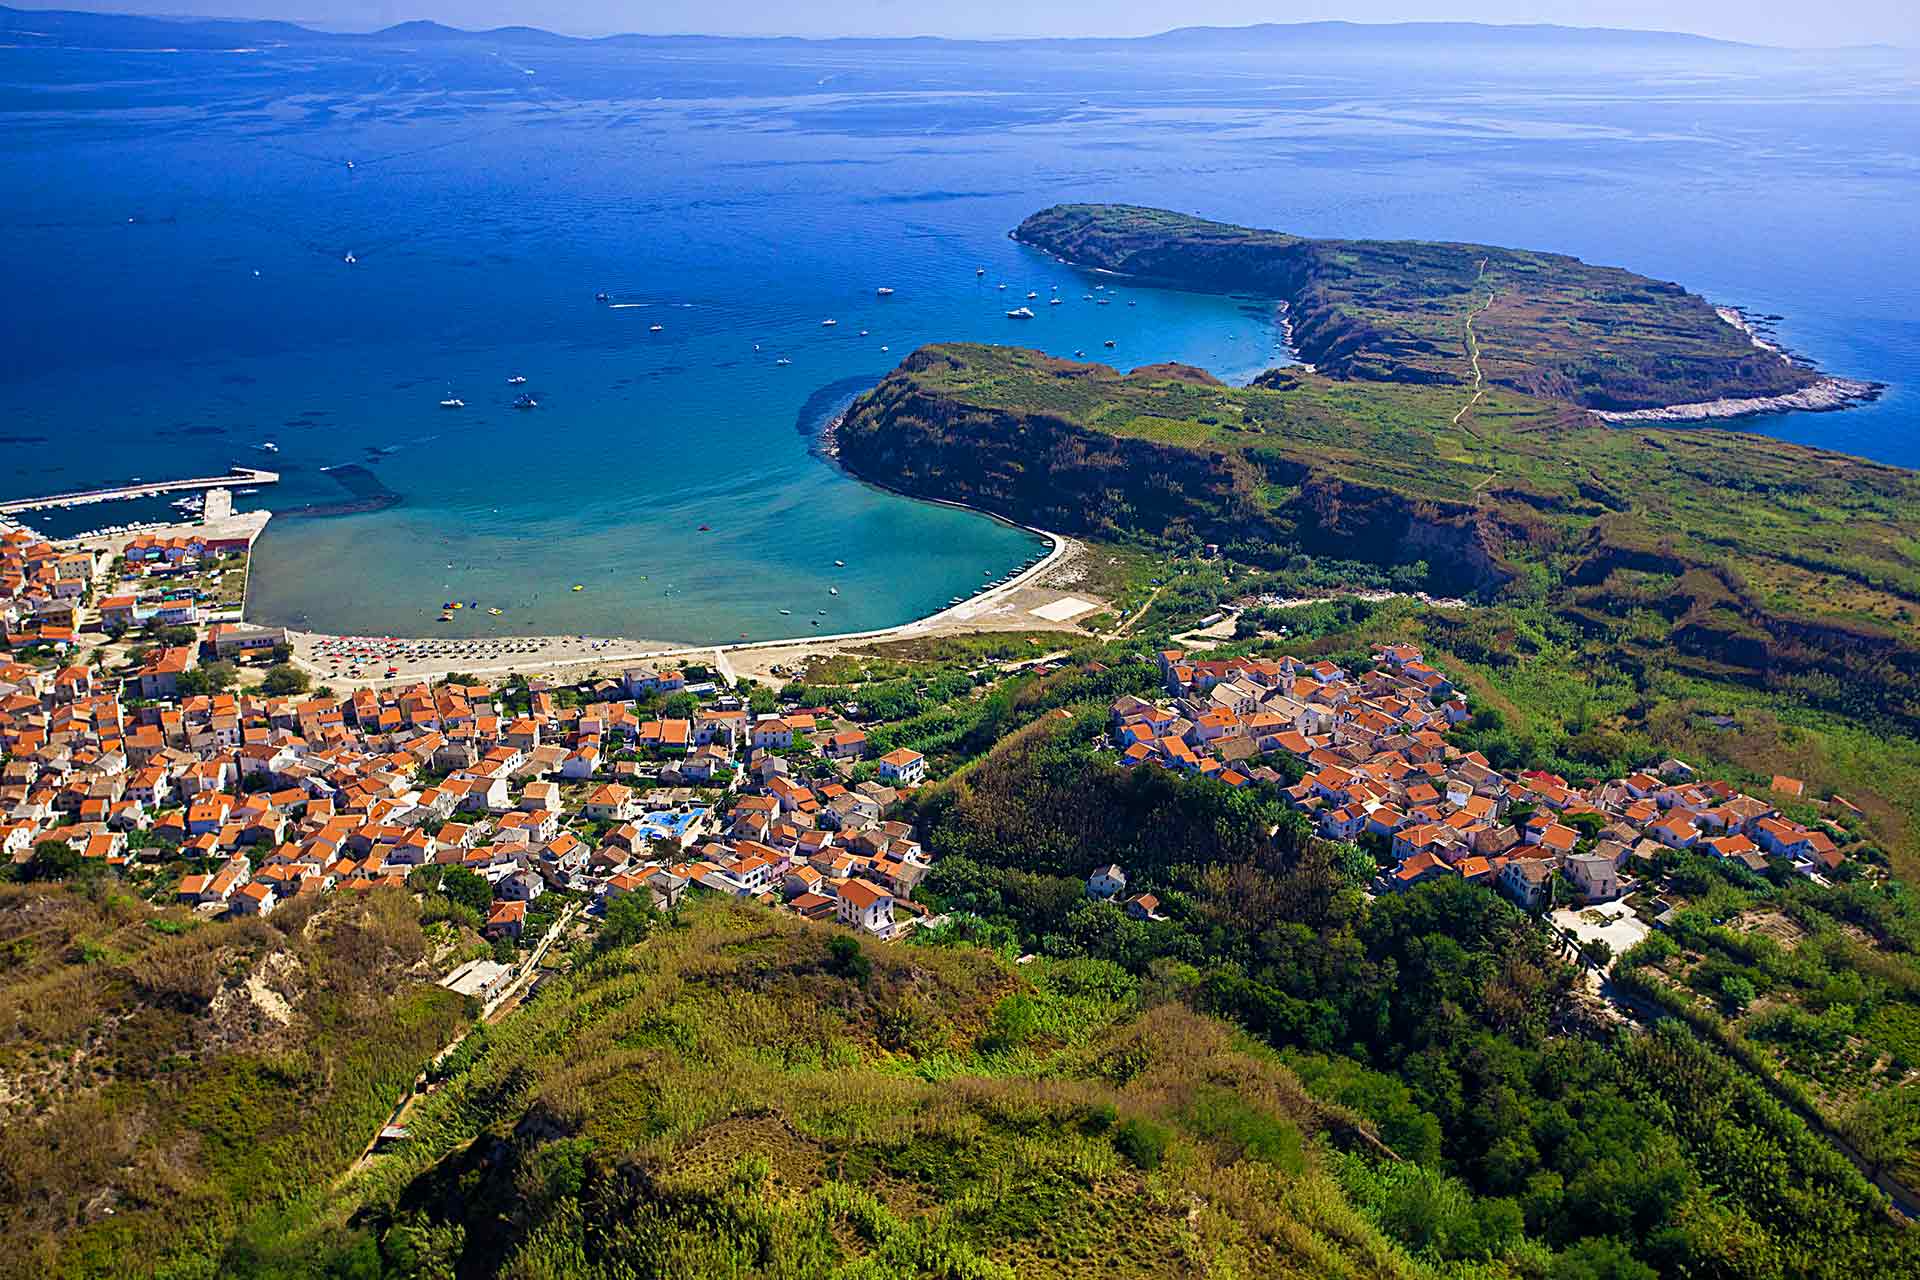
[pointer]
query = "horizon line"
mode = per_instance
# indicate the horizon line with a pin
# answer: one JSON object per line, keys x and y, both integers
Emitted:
{"x": 320, "y": 26}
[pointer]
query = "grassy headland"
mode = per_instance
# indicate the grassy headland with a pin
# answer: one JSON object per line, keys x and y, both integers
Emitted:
{"x": 1762, "y": 561}
{"x": 1396, "y": 310}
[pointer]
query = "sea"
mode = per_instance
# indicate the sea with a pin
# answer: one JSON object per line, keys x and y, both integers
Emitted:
{"x": 176, "y": 228}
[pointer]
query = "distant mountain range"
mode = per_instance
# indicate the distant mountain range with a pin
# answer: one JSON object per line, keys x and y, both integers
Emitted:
{"x": 55, "y": 28}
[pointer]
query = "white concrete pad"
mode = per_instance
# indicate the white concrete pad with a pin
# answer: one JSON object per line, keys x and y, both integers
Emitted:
{"x": 1065, "y": 609}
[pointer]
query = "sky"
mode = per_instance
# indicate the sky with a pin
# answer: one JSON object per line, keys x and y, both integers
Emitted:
{"x": 1783, "y": 22}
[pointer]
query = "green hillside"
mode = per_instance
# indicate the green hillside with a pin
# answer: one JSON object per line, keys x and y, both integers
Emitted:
{"x": 1762, "y": 557}
{"x": 1397, "y": 310}
{"x": 169, "y": 1079}
{"x": 750, "y": 1094}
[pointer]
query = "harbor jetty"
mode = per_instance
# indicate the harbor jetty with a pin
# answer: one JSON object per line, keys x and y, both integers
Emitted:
{"x": 235, "y": 476}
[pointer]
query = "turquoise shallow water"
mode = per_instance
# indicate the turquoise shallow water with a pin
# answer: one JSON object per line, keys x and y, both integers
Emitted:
{"x": 177, "y": 226}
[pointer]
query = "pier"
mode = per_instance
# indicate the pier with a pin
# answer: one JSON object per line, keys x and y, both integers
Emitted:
{"x": 235, "y": 476}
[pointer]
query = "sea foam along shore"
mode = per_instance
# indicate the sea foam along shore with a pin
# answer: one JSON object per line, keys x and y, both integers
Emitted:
{"x": 1824, "y": 396}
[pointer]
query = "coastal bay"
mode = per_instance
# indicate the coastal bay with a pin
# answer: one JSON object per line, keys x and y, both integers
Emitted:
{"x": 190, "y": 322}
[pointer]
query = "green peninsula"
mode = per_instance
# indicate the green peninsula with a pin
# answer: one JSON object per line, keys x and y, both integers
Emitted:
{"x": 1397, "y": 310}
{"x": 1760, "y": 559}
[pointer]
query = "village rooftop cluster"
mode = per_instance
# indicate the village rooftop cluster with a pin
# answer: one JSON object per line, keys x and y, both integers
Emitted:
{"x": 281, "y": 798}
{"x": 1378, "y": 769}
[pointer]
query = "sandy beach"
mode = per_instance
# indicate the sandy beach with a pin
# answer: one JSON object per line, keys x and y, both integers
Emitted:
{"x": 1025, "y": 602}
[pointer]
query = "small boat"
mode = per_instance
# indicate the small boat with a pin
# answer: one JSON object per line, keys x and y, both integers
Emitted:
{"x": 828, "y": 324}
{"x": 494, "y": 612}
{"x": 248, "y": 493}
{"x": 458, "y": 605}
{"x": 706, "y": 528}
{"x": 268, "y": 446}
{"x": 578, "y": 587}
{"x": 823, "y": 613}
{"x": 1103, "y": 302}
{"x": 1020, "y": 313}
{"x": 1080, "y": 355}
{"x": 979, "y": 271}
{"x": 1032, "y": 294}
{"x": 863, "y": 333}
{"x": 886, "y": 348}
{"x": 446, "y": 617}
{"x": 833, "y": 591}
{"x": 517, "y": 380}
{"x": 1054, "y": 302}
{"x": 655, "y": 328}
{"x": 1132, "y": 303}
{"x": 786, "y": 613}
{"x": 1000, "y": 286}
{"x": 783, "y": 360}
{"x": 350, "y": 259}
{"x": 1109, "y": 342}
{"x": 453, "y": 402}
{"x": 600, "y": 297}
{"x": 525, "y": 402}
{"x": 884, "y": 292}
{"x": 349, "y": 164}
{"x": 839, "y": 564}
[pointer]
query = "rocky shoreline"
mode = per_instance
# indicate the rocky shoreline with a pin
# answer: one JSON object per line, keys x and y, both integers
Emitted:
{"x": 1825, "y": 396}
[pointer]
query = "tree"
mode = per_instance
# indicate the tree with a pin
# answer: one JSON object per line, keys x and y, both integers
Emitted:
{"x": 170, "y": 636}
{"x": 1884, "y": 1127}
{"x": 58, "y": 860}
{"x": 469, "y": 890}
{"x": 848, "y": 959}
{"x": 630, "y": 918}
{"x": 284, "y": 681}
{"x": 1354, "y": 864}
{"x": 1600, "y": 1258}
{"x": 210, "y": 677}
{"x": 503, "y": 948}
{"x": 1737, "y": 991}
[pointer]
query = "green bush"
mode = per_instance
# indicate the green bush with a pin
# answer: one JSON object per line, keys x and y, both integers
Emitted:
{"x": 1142, "y": 1142}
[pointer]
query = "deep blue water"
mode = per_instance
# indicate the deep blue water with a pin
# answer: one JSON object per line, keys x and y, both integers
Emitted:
{"x": 738, "y": 198}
